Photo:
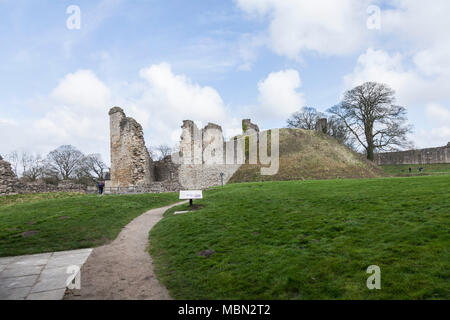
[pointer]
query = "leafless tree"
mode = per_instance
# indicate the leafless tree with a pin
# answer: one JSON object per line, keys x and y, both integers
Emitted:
{"x": 65, "y": 161}
{"x": 304, "y": 119}
{"x": 308, "y": 117}
{"x": 33, "y": 166}
{"x": 369, "y": 113}
{"x": 95, "y": 165}
{"x": 25, "y": 160}
{"x": 151, "y": 152}
{"x": 160, "y": 152}
{"x": 13, "y": 159}
{"x": 337, "y": 129}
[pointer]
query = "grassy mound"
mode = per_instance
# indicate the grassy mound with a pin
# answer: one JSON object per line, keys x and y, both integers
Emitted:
{"x": 36, "y": 223}
{"x": 309, "y": 240}
{"x": 310, "y": 155}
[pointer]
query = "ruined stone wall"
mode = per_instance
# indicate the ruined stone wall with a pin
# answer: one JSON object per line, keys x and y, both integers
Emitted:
{"x": 204, "y": 159}
{"x": 191, "y": 148}
{"x": 10, "y": 184}
{"x": 131, "y": 164}
{"x": 248, "y": 125}
{"x": 42, "y": 187}
{"x": 322, "y": 125}
{"x": 421, "y": 156}
{"x": 165, "y": 169}
{"x": 202, "y": 162}
{"x": 8, "y": 180}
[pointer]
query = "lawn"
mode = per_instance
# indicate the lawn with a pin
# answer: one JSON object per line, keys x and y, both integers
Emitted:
{"x": 38, "y": 223}
{"x": 310, "y": 240}
{"x": 428, "y": 169}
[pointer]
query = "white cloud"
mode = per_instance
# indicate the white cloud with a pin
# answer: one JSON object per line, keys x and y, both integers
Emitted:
{"x": 379, "y": 66}
{"x": 279, "y": 96}
{"x": 436, "y": 137}
{"x": 438, "y": 113}
{"x": 76, "y": 111}
{"x": 324, "y": 26}
{"x": 178, "y": 94}
{"x": 169, "y": 99}
{"x": 434, "y": 61}
{"x": 438, "y": 117}
{"x": 82, "y": 89}
{"x": 417, "y": 21}
{"x": 413, "y": 89}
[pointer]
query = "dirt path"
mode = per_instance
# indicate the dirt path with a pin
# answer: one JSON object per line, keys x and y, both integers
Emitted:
{"x": 123, "y": 269}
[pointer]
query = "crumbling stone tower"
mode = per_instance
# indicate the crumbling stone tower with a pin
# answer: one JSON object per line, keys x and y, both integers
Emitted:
{"x": 248, "y": 126}
{"x": 9, "y": 183}
{"x": 130, "y": 161}
{"x": 322, "y": 125}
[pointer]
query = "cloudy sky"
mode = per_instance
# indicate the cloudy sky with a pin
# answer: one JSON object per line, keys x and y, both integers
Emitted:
{"x": 219, "y": 61}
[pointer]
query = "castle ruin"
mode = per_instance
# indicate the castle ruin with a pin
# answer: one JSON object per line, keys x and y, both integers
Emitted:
{"x": 9, "y": 184}
{"x": 203, "y": 160}
{"x": 419, "y": 156}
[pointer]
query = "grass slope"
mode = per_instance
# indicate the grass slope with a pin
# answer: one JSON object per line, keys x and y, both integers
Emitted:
{"x": 310, "y": 155}
{"x": 65, "y": 221}
{"x": 310, "y": 240}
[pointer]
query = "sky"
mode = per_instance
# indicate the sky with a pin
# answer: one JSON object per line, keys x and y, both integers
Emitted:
{"x": 165, "y": 61}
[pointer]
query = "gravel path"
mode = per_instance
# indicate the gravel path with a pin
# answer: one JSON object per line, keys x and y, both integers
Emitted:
{"x": 123, "y": 269}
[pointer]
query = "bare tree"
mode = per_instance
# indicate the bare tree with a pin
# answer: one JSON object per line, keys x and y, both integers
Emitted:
{"x": 308, "y": 117}
{"x": 95, "y": 165}
{"x": 13, "y": 159}
{"x": 304, "y": 119}
{"x": 161, "y": 151}
{"x": 25, "y": 159}
{"x": 65, "y": 161}
{"x": 151, "y": 152}
{"x": 33, "y": 166}
{"x": 337, "y": 129}
{"x": 369, "y": 113}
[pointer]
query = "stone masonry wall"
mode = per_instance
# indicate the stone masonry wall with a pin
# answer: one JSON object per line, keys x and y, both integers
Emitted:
{"x": 8, "y": 180}
{"x": 202, "y": 161}
{"x": 203, "y": 154}
{"x": 248, "y": 125}
{"x": 130, "y": 160}
{"x": 10, "y": 184}
{"x": 421, "y": 156}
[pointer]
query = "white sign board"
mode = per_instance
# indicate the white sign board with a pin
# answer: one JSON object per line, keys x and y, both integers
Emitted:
{"x": 192, "y": 194}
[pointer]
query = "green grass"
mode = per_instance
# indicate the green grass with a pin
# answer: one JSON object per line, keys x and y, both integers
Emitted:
{"x": 310, "y": 240}
{"x": 428, "y": 169}
{"x": 65, "y": 221}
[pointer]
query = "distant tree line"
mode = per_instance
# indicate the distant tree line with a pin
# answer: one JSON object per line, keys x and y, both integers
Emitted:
{"x": 366, "y": 119}
{"x": 63, "y": 163}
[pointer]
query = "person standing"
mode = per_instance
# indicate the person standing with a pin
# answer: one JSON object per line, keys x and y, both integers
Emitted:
{"x": 102, "y": 187}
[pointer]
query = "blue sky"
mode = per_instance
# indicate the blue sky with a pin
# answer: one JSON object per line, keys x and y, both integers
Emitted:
{"x": 218, "y": 61}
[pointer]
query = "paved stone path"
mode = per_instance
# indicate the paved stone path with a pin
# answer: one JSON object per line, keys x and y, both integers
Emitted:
{"x": 123, "y": 269}
{"x": 38, "y": 277}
